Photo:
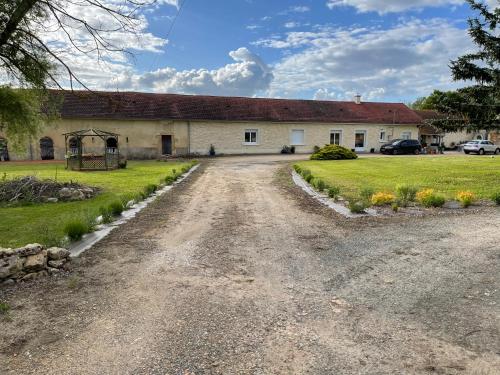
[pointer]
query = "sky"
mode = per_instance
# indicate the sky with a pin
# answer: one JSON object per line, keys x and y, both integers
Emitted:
{"x": 385, "y": 50}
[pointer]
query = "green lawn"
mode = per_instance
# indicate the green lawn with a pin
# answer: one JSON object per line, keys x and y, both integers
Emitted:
{"x": 44, "y": 222}
{"x": 446, "y": 175}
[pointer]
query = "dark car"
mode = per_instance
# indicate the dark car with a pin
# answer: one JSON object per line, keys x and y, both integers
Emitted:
{"x": 402, "y": 146}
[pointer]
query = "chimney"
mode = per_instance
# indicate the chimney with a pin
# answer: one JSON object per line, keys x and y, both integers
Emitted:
{"x": 357, "y": 99}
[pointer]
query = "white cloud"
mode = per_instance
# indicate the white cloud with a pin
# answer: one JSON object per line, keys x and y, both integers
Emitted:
{"x": 408, "y": 60}
{"x": 247, "y": 76}
{"x": 300, "y": 9}
{"x": 392, "y": 6}
{"x": 291, "y": 25}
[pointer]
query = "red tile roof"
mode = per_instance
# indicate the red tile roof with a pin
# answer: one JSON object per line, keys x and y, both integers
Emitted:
{"x": 145, "y": 106}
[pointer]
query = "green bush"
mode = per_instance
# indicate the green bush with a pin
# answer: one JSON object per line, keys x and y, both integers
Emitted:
{"x": 496, "y": 197}
{"x": 169, "y": 180}
{"x": 366, "y": 193}
{"x": 333, "y": 152}
{"x": 357, "y": 206}
{"x": 334, "y": 192}
{"x": 122, "y": 164}
{"x": 107, "y": 216}
{"x": 406, "y": 194}
{"x": 432, "y": 200}
{"x": 115, "y": 208}
{"x": 75, "y": 229}
{"x": 308, "y": 178}
{"x": 150, "y": 189}
{"x": 319, "y": 184}
{"x": 305, "y": 172}
{"x": 297, "y": 168}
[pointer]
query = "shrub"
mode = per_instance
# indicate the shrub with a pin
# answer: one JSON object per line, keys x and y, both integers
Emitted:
{"x": 75, "y": 229}
{"x": 380, "y": 198}
{"x": 122, "y": 164}
{"x": 297, "y": 168}
{"x": 333, "y": 152}
{"x": 150, "y": 189}
{"x": 466, "y": 198}
{"x": 334, "y": 192}
{"x": 308, "y": 178}
{"x": 496, "y": 197}
{"x": 406, "y": 194}
{"x": 305, "y": 173}
{"x": 428, "y": 198}
{"x": 169, "y": 180}
{"x": 319, "y": 184}
{"x": 366, "y": 193}
{"x": 115, "y": 208}
{"x": 357, "y": 206}
{"x": 107, "y": 216}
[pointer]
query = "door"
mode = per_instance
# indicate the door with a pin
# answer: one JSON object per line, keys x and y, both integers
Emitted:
{"x": 46, "y": 148}
{"x": 359, "y": 141}
{"x": 166, "y": 145}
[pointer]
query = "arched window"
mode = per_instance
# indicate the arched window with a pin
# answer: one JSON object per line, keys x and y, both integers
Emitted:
{"x": 46, "y": 148}
{"x": 4, "y": 151}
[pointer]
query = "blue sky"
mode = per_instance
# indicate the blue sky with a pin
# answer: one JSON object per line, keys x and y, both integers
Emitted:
{"x": 387, "y": 50}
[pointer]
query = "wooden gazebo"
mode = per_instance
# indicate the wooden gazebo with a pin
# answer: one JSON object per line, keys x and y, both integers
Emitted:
{"x": 81, "y": 156}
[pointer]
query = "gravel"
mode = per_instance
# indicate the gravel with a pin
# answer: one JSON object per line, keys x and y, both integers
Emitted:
{"x": 237, "y": 271}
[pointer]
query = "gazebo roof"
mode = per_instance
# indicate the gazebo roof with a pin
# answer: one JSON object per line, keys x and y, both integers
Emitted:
{"x": 91, "y": 132}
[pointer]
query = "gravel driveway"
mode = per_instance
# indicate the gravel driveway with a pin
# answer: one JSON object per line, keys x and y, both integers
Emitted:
{"x": 237, "y": 272}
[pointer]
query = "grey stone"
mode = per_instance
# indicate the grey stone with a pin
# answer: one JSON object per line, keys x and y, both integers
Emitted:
{"x": 77, "y": 195}
{"x": 30, "y": 249}
{"x": 36, "y": 262}
{"x": 56, "y": 263}
{"x": 53, "y": 271}
{"x": 4, "y": 253}
{"x": 10, "y": 266}
{"x": 65, "y": 193}
{"x": 52, "y": 200}
{"x": 7, "y": 282}
{"x": 34, "y": 275}
{"x": 453, "y": 205}
{"x": 57, "y": 253}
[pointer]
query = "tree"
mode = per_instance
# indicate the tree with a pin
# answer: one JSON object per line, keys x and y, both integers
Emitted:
{"x": 441, "y": 101}
{"x": 477, "y": 106}
{"x": 33, "y": 63}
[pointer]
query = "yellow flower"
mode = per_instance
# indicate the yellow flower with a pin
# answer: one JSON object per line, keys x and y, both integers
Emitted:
{"x": 379, "y": 199}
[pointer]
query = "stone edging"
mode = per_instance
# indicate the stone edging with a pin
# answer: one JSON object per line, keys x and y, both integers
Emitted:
{"x": 324, "y": 199}
{"x": 88, "y": 240}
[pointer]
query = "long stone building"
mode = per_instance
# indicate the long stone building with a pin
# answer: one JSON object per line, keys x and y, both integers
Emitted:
{"x": 152, "y": 125}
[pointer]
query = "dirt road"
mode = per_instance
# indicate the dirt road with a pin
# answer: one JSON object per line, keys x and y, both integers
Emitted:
{"x": 237, "y": 272}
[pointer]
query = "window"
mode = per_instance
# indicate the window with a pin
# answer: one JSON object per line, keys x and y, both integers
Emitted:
{"x": 382, "y": 135}
{"x": 335, "y": 137}
{"x": 297, "y": 138}
{"x": 406, "y": 135}
{"x": 251, "y": 136}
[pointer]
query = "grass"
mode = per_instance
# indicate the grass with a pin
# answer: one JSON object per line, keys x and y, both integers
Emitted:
{"x": 26, "y": 224}
{"x": 447, "y": 175}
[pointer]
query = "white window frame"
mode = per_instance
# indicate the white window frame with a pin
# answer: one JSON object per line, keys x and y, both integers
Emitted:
{"x": 336, "y": 131}
{"x": 303, "y": 137}
{"x": 406, "y": 134}
{"x": 365, "y": 132}
{"x": 383, "y": 138}
{"x": 256, "y": 143}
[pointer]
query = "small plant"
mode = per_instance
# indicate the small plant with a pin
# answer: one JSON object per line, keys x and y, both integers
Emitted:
{"x": 406, "y": 194}
{"x": 496, "y": 197}
{"x": 380, "y": 198}
{"x": 305, "y": 172}
{"x": 150, "y": 189}
{"x": 334, "y": 192}
{"x": 297, "y": 168}
{"x": 169, "y": 180}
{"x": 357, "y": 206}
{"x": 319, "y": 184}
{"x": 75, "y": 229}
{"x": 107, "y": 216}
{"x": 395, "y": 207}
{"x": 73, "y": 282}
{"x": 308, "y": 178}
{"x": 4, "y": 308}
{"x": 366, "y": 193}
{"x": 122, "y": 164}
{"x": 428, "y": 198}
{"x": 211, "y": 151}
{"x": 465, "y": 198}
{"x": 115, "y": 208}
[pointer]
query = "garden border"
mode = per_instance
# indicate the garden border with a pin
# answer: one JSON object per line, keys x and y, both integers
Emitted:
{"x": 90, "y": 239}
{"x": 325, "y": 200}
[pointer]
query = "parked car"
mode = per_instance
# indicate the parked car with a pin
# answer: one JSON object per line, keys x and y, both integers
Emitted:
{"x": 481, "y": 147}
{"x": 402, "y": 146}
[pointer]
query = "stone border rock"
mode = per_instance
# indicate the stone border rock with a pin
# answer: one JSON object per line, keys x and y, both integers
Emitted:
{"x": 324, "y": 199}
{"x": 88, "y": 240}
{"x": 31, "y": 262}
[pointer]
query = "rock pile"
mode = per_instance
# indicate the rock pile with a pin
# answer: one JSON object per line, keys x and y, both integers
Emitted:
{"x": 31, "y": 262}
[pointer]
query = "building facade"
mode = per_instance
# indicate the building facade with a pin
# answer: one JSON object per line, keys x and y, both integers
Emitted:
{"x": 152, "y": 125}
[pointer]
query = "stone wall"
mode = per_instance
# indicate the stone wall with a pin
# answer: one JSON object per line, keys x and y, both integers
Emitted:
{"x": 31, "y": 262}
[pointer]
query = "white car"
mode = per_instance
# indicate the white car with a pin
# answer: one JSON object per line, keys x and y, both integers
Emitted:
{"x": 481, "y": 147}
